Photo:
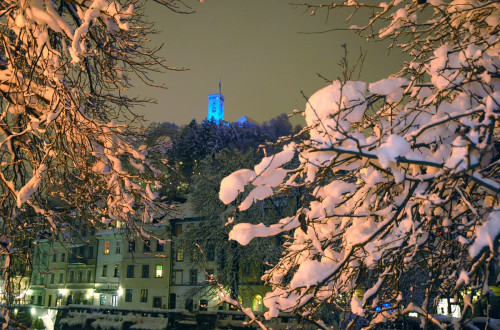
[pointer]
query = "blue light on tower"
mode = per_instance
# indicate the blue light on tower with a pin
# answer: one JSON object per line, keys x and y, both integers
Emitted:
{"x": 216, "y": 106}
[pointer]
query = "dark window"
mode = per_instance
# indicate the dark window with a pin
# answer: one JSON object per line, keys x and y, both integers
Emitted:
{"x": 144, "y": 295}
{"x": 177, "y": 277}
{"x": 193, "y": 276}
{"x": 63, "y": 257}
{"x": 61, "y": 277}
{"x": 54, "y": 257}
{"x": 71, "y": 276}
{"x": 172, "y": 301}
{"x": 81, "y": 251}
{"x": 80, "y": 276}
{"x": 147, "y": 246}
{"x": 159, "y": 247}
{"x": 89, "y": 276}
{"x": 130, "y": 271}
{"x": 131, "y": 246}
{"x": 189, "y": 304}
{"x": 145, "y": 271}
{"x": 118, "y": 247}
{"x": 104, "y": 270}
{"x": 117, "y": 271}
{"x": 211, "y": 252}
{"x": 203, "y": 304}
{"x": 39, "y": 303}
{"x": 91, "y": 252}
{"x": 128, "y": 295}
{"x": 52, "y": 278}
{"x": 246, "y": 268}
{"x": 157, "y": 302}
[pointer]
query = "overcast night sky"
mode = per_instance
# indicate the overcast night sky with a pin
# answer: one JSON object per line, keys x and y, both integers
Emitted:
{"x": 256, "y": 48}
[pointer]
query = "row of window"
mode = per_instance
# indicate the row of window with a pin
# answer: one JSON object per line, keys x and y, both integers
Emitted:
{"x": 210, "y": 253}
{"x": 132, "y": 247}
{"x": 116, "y": 271}
{"x": 73, "y": 277}
{"x": 157, "y": 302}
{"x": 76, "y": 254}
{"x": 177, "y": 276}
{"x": 62, "y": 257}
{"x": 145, "y": 271}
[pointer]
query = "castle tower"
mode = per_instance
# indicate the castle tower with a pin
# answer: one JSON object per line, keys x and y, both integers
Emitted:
{"x": 216, "y": 106}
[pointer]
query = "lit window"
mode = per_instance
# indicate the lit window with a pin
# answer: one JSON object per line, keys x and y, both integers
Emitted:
{"x": 159, "y": 271}
{"x": 180, "y": 255}
{"x": 102, "y": 300}
{"x": 178, "y": 229}
{"x": 106, "y": 247}
{"x": 144, "y": 295}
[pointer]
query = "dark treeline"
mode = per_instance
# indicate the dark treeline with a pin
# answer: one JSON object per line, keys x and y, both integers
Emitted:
{"x": 188, "y": 145}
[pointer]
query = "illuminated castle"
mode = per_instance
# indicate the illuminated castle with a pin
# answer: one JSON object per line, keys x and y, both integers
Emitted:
{"x": 216, "y": 106}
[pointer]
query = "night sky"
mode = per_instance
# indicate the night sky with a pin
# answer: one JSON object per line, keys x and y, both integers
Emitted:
{"x": 255, "y": 47}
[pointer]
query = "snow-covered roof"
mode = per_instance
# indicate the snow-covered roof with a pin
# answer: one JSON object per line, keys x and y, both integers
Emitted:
{"x": 247, "y": 120}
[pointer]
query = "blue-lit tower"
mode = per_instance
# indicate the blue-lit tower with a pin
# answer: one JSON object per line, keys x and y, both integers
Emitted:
{"x": 216, "y": 106}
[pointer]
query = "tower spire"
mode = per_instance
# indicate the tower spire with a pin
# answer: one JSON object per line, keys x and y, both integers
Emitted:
{"x": 220, "y": 85}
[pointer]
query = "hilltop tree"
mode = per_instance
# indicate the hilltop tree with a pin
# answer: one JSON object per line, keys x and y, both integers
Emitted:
{"x": 72, "y": 156}
{"x": 185, "y": 147}
{"x": 401, "y": 176}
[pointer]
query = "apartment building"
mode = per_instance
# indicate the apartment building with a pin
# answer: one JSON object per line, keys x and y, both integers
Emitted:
{"x": 56, "y": 281}
{"x": 145, "y": 269}
{"x": 189, "y": 282}
{"x": 110, "y": 243}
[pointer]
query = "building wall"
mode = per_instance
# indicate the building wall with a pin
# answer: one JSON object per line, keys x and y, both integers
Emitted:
{"x": 111, "y": 245}
{"x": 145, "y": 270}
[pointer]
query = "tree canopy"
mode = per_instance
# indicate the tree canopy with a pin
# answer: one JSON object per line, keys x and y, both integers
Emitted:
{"x": 72, "y": 155}
{"x": 400, "y": 176}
